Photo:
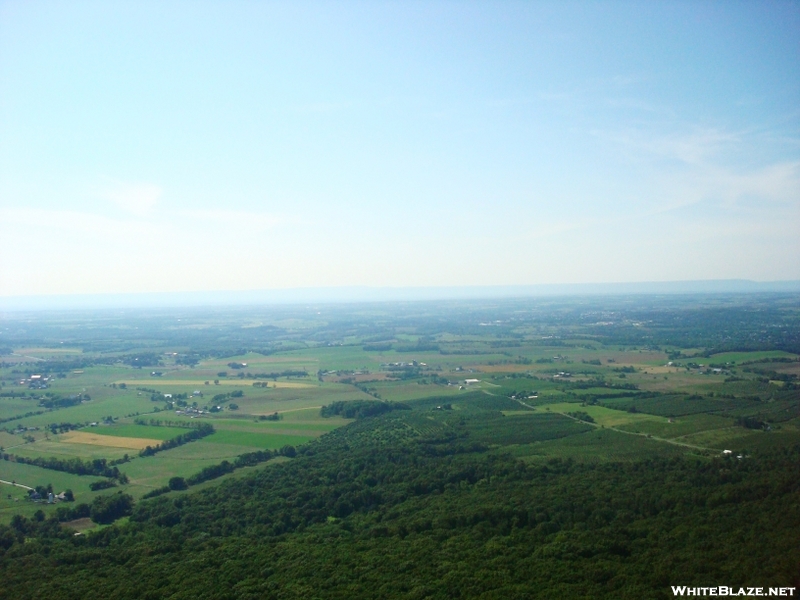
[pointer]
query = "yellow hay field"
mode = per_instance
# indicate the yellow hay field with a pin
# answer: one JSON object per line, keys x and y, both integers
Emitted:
{"x": 84, "y": 437}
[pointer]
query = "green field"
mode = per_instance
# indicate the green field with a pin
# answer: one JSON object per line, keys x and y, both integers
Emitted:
{"x": 57, "y": 448}
{"x": 656, "y": 409}
{"x": 32, "y": 476}
{"x": 742, "y": 357}
{"x": 605, "y": 416}
{"x": 140, "y": 431}
{"x": 256, "y": 440}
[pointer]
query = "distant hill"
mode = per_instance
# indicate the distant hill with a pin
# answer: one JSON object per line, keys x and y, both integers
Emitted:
{"x": 386, "y": 294}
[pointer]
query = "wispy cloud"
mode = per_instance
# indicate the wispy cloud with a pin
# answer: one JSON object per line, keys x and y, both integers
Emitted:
{"x": 636, "y": 104}
{"x": 777, "y": 183}
{"x": 695, "y": 148}
{"x": 137, "y": 199}
{"x": 235, "y": 218}
{"x": 691, "y": 148}
{"x": 713, "y": 158}
{"x": 70, "y": 222}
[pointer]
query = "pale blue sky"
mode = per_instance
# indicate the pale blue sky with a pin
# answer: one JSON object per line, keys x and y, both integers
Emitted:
{"x": 176, "y": 146}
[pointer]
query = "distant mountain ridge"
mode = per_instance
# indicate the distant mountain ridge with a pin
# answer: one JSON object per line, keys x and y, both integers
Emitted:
{"x": 347, "y": 294}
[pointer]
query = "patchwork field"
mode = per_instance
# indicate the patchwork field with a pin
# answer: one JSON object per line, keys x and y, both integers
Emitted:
{"x": 533, "y": 381}
{"x": 209, "y": 386}
{"x": 236, "y": 433}
{"x": 111, "y": 441}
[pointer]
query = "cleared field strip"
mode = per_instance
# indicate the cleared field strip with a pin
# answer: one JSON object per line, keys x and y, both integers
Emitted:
{"x": 315, "y": 427}
{"x": 310, "y": 432}
{"x": 257, "y": 440}
{"x": 739, "y": 357}
{"x": 113, "y": 441}
{"x": 140, "y": 431}
{"x": 288, "y": 410}
{"x": 202, "y": 382}
{"x": 607, "y": 417}
{"x": 80, "y": 524}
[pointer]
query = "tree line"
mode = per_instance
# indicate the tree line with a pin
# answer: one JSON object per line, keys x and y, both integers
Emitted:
{"x": 99, "y": 467}
{"x": 201, "y": 431}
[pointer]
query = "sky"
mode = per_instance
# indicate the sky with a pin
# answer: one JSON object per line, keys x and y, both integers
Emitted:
{"x": 197, "y": 146}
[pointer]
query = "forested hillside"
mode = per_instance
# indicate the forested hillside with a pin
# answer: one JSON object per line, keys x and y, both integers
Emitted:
{"x": 415, "y": 504}
{"x": 531, "y": 448}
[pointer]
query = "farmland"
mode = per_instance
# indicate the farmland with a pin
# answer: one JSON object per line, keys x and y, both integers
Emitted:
{"x": 113, "y": 398}
{"x": 213, "y": 404}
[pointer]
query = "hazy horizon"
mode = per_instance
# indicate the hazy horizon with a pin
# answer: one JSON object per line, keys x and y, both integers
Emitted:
{"x": 178, "y": 146}
{"x": 373, "y": 294}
